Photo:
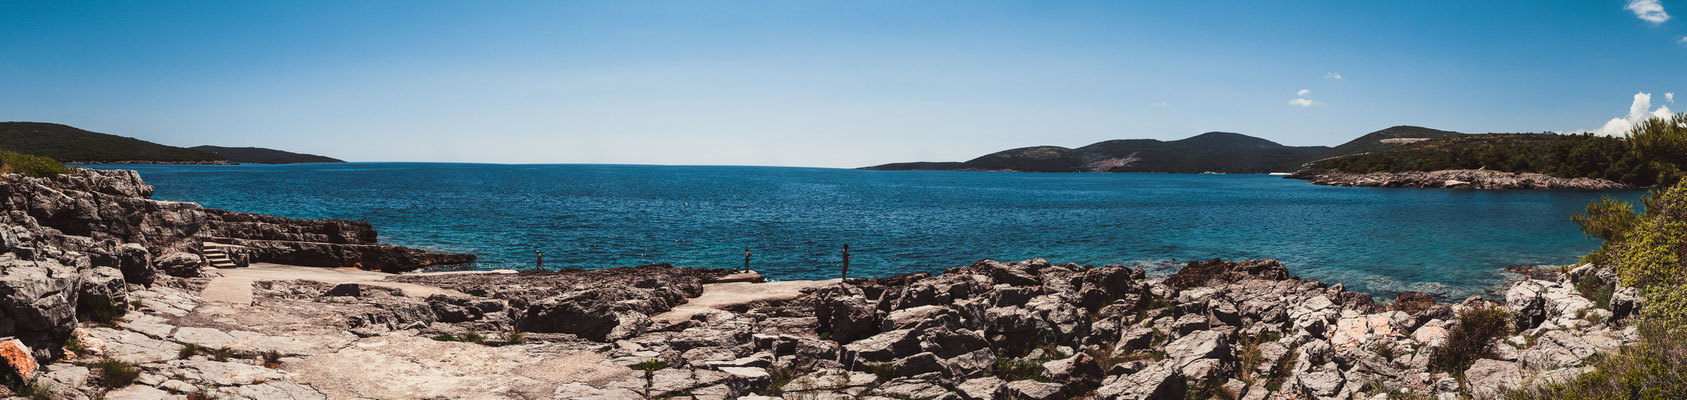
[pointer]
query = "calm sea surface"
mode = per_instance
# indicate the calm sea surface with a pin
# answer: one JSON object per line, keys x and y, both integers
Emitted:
{"x": 1448, "y": 242}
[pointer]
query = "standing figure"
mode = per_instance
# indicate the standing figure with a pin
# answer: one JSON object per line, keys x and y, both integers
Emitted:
{"x": 846, "y": 262}
{"x": 541, "y": 256}
{"x": 746, "y": 259}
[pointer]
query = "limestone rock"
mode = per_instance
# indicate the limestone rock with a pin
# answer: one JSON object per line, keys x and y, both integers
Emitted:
{"x": 1160, "y": 381}
{"x": 37, "y": 300}
{"x": 102, "y": 294}
{"x": 1490, "y": 378}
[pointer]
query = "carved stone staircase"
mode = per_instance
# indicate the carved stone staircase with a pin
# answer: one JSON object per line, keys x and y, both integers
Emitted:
{"x": 218, "y": 255}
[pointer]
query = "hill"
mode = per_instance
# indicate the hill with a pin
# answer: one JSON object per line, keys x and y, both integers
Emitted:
{"x": 1222, "y": 152}
{"x": 259, "y": 155}
{"x": 1563, "y": 156}
{"x": 72, "y": 145}
{"x": 1388, "y": 138}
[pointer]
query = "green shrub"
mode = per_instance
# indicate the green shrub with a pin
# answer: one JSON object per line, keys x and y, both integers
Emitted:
{"x": 514, "y": 336}
{"x": 1014, "y": 369}
{"x": 272, "y": 359}
{"x": 188, "y": 350}
{"x": 1472, "y": 339}
{"x": 473, "y": 337}
{"x": 28, "y": 165}
{"x": 222, "y": 354}
{"x": 1654, "y": 368}
{"x": 1594, "y": 289}
{"x": 115, "y": 373}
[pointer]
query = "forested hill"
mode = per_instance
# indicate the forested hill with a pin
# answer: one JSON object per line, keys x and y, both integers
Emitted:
{"x": 1209, "y": 152}
{"x": 72, "y": 145}
{"x": 259, "y": 155}
{"x": 1560, "y": 155}
{"x": 1387, "y": 139}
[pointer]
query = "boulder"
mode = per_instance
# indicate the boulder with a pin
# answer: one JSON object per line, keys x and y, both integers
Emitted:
{"x": 1189, "y": 323}
{"x": 986, "y": 388}
{"x": 37, "y": 300}
{"x": 1527, "y": 305}
{"x": 102, "y": 295}
{"x": 136, "y": 263}
{"x": 845, "y": 314}
{"x": 1321, "y": 384}
{"x": 1080, "y": 368}
{"x": 883, "y": 347}
{"x": 920, "y": 364}
{"x": 599, "y": 314}
{"x": 927, "y": 386}
{"x": 349, "y": 289}
{"x": 1625, "y": 301}
{"x": 16, "y": 359}
{"x": 1490, "y": 378}
{"x": 1413, "y": 302}
{"x": 1033, "y": 390}
{"x": 1197, "y": 274}
{"x": 179, "y": 264}
{"x": 1160, "y": 381}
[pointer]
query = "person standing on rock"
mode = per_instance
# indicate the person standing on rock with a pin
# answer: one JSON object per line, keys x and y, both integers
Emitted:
{"x": 746, "y": 259}
{"x": 541, "y": 262}
{"x": 846, "y": 262}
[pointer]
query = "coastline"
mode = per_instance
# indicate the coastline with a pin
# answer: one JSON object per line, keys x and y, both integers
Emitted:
{"x": 990, "y": 330}
{"x": 1455, "y": 179}
{"x": 224, "y": 321}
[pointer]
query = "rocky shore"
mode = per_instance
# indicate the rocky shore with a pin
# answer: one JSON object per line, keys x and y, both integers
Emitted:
{"x": 90, "y": 327}
{"x": 1454, "y": 179}
{"x": 1025, "y": 330}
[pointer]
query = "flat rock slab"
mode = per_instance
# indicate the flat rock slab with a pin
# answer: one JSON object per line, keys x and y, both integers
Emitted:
{"x": 205, "y": 337}
{"x": 235, "y": 284}
{"x": 410, "y": 367}
{"x": 133, "y": 346}
{"x": 140, "y": 392}
{"x": 721, "y": 295}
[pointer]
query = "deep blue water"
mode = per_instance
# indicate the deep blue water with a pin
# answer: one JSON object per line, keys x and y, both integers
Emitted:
{"x": 795, "y": 220}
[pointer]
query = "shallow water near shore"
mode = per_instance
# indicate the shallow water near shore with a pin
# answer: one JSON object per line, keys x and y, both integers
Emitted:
{"x": 1452, "y": 243}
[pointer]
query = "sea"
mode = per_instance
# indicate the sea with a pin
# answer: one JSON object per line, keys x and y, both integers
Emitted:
{"x": 795, "y": 222}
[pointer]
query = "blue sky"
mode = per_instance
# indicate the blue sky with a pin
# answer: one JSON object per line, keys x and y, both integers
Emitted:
{"x": 815, "y": 83}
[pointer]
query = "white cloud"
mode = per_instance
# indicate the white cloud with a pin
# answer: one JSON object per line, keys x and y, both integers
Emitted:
{"x": 1648, "y": 10}
{"x": 1302, "y": 100}
{"x": 1332, "y": 75}
{"x": 1670, "y": 96}
{"x": 1159, "y": 104}
{"x": 1639, "y": 111}
{"x": 1682, "y": 41}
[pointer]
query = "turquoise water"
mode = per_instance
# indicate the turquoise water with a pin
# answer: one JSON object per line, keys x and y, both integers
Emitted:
{"x": 1449, "y": 242}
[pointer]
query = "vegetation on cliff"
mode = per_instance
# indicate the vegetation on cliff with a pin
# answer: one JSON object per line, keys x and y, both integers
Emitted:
{"x": 69, "y": 144}
{"x": 28, "y": 165}
{"x": 1648, "y": 250}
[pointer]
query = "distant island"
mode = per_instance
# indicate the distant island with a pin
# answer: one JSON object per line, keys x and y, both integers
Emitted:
{"x": 1219, "y": 152}
{"x": 1208, "y": 152}
{"x": 1399, "y": 156}
{"x": 259, "y": 155}
{"x": 72, "y": 145}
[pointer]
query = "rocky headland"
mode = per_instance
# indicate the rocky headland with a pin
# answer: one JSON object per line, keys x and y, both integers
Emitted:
{"x": 1454, "y": 179}
{"x": 95, "y": 313}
